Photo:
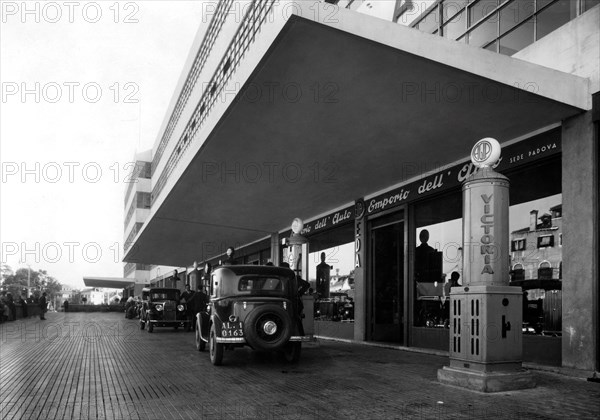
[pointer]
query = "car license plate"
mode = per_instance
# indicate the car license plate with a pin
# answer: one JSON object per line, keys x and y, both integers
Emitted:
{"x": 232, "y": 329}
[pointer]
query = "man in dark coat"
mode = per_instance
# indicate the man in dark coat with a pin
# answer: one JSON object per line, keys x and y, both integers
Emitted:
{"x": 43, "y": 305}
{"x": 196, "y": 303}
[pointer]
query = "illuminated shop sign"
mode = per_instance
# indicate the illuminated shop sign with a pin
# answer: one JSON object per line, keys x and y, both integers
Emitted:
{"x": 538, "y": 147}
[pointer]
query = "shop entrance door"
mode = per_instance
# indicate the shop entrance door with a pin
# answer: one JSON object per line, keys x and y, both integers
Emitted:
{"x": 387, "y": 279}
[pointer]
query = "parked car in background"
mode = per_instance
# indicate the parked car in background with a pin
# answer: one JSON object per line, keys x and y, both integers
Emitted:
{"x": 255, "y": 306}
{"x": 163, "y": 308}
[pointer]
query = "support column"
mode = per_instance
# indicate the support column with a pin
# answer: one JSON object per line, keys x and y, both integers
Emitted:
{"x": 360, "y": 288}
{"x": 580, "y": 243}
{"x": 275, "y": 249}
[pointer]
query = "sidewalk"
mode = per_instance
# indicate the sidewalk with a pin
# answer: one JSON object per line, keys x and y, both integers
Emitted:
{"x": 101, "y": 366}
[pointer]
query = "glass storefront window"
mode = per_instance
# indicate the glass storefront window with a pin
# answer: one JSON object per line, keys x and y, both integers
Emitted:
{"x": 437, "y": 258}
{"x": 331, "y": 276}
{"x": 555, "y": 16}
{"x": 535, "y": 228}
{"x": 536, "y": 262}
{"x": 517, "y": 39}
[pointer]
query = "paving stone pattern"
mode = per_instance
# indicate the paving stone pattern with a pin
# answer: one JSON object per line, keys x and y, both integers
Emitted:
{"x": 102, "y": 366}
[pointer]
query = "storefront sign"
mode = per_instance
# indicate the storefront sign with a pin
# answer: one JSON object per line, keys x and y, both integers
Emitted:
{"x": 328, "y": 222}
{"x": 538, "y": 147}
{"x": 357, "y": 243}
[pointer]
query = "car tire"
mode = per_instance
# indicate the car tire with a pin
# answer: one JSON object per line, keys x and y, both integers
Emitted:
{"x": 256, "y": 328}
{"x": 292, "y": 351}
{"x": 200, "y": 344}
{"x": 142, "y": 324}
{"x": 216, "y": 349}
{"x": 150, "y": 326}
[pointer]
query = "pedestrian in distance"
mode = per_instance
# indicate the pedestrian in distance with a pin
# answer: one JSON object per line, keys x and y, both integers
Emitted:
{"x": 43, "y": 303}
{"x": 23, "y": 304}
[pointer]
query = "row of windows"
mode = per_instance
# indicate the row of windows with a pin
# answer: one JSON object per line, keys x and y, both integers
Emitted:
{"x": 131, "y": 267}
{"x": 142, "y": 201}
{"x": 543, "y": 241}
{"x": 503, "y": 26}
{"x": 132, "y": 235}
{"x": 212, "y": 32}
{"x": 140, "y": 170}
{"x": 245, "y": 35}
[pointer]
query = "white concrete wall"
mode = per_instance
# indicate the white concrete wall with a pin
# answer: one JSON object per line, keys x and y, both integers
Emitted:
{"x": 573, "y": 48}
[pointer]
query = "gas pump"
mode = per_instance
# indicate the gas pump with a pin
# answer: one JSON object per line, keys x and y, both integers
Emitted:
{"x": 485, "y": 312}
{"x": 296, "y": 254}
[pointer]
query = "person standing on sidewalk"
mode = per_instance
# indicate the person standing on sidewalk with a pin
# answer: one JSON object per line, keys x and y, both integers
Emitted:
{"x": 43, "y": 305}
{"x": 23, "y": 304}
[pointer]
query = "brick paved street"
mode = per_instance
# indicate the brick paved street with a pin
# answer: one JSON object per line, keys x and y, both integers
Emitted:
{"x": 101, "y": 366}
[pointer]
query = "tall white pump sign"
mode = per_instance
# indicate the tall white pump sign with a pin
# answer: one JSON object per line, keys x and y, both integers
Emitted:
{"x": 485, "y": 312}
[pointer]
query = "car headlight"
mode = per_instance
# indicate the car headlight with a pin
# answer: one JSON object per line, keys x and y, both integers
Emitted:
{"x": 159, "y": 307}
{"x": 180, "y": 308}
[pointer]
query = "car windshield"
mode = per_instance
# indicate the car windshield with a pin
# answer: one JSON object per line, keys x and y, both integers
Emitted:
{"x": 165, "y": 295}
{"x": 262, "y": 284}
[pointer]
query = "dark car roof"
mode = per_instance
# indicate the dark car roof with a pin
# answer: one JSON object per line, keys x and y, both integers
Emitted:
{"x": 240, "y": 270}
{"x": 162, "y": 289}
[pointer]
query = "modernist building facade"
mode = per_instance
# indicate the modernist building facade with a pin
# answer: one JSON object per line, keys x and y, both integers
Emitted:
{"x": 358, "y": 117}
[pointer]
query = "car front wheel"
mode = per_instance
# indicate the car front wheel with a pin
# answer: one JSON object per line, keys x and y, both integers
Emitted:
{"x": 216, "y": 349}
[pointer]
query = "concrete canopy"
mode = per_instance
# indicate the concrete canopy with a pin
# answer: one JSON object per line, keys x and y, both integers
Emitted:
{"x": 108, "y": 282}
{"x": 333, "y": 113}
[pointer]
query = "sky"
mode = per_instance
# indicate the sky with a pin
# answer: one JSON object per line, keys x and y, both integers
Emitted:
{"x": 84, "y": 86}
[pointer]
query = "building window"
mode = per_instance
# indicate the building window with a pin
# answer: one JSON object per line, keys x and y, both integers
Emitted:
{"x": 518, "y": 245}
{"x": 545, "y": 241}
{"x": 554, "y": 16}
{"x": 504, "y": 26}
{"x": 436, "y": 257}
{"x": 430, "y": 22}
{"x": 517, "y": 39}
{"x": 518, "y": 273}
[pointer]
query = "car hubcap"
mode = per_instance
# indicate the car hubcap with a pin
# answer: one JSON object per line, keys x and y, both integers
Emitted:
{"x": 270, "y": 327}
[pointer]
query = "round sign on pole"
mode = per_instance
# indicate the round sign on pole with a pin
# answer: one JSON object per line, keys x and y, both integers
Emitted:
{"x": 486, "y": 152}
{"x": 297, "y": 225}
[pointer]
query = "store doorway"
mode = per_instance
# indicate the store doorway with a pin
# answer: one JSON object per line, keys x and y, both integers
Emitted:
{"x": 387, "y": 279}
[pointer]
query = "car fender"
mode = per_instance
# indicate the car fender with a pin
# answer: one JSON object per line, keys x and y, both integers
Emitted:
{"x": 204, "y": 321}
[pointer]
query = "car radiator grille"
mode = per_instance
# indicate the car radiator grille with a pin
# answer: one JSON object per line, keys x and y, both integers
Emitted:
{"x": 170, "y": 311}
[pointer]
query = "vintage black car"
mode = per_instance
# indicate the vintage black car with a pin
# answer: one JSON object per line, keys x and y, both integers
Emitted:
{"x": 257, "y": 306}
{"x": 163, "y": 308}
